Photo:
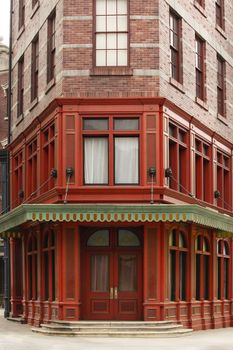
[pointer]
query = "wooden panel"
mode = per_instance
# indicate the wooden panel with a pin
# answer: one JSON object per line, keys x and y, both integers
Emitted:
{"x": 70, "y": 263}
{"x": 151, "y": 264}
{"x": 70, "y": 122}
{"x": 128, "y": 306}
{"x": 100, "y": 306}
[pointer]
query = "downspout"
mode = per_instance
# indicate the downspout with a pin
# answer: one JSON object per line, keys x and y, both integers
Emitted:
{"x": 6, "y": 241}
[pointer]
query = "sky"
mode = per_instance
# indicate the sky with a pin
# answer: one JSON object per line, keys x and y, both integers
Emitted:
{"x": 4, "y": 20}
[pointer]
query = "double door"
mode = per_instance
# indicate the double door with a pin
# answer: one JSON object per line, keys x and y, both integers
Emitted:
{"x": 113, "y": 286}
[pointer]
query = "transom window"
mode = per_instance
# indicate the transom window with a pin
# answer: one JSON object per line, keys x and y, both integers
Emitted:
{"x": 111, "y": 150}
{"x": 111, "y": 33}
{"x": 103, "y": 238}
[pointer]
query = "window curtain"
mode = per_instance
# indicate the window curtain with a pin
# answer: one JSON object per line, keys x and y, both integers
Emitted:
{"x": 96, "y": 160}
{"x": 126, "y": 160}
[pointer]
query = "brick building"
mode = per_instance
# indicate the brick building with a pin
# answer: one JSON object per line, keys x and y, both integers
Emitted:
{"x": 4, "y": 58}
{"x": 121, "y": 161}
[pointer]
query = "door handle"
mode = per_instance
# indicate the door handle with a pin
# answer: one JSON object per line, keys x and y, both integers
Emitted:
{"x": 115, "y": 293}
{"x": 111, "y": 293}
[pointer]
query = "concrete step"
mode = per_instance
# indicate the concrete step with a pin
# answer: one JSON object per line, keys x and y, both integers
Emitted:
{"x": 113, "y": 329}
{"x": 117, "y": 328}
{"x": 109, "y": 333}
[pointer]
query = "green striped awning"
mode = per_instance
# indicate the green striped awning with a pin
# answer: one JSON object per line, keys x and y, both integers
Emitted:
{"x": 107, "y": 213}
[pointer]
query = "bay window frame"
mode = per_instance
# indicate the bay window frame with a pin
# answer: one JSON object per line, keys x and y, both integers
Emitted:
{"x": 111, "y": 134}
{"x": 178, "y": 158}
{"x": 203, "y": 166}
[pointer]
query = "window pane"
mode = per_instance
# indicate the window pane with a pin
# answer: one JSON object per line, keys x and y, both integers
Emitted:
{"x": 182, "y": 275}
{"x": 101, "y": 24}
{"x": 100, "y": 58}
{"x": 198, "y": 271}
{"x": 122, "y": 6}
{"x": 111, "y": 24}
{"x": 126, "y": 124}
{"x": 122, "y": 41}
{"x": 111, "y": 58}
{"x": 95, "y": 124}
{"x": 122, "y": 23}
{"x": 100, "y": 7}
{"x": 206, "y": 277}
{"x": 126, "y": 160}
{"x": 127, "y": 273}
{"x": 111, "y": 41}
{"x": 100, "y": 273}
{"x": 127, "y": 238}
{"x": 99, "y": 239}
{"x": 226, "y": 278}
{"x": 111, "y": 7}
{"x": 101, "y": 41}
{"x": 96, "y": 160}
{"x": 172, "y": 275}
{"x": 122, "y": 58}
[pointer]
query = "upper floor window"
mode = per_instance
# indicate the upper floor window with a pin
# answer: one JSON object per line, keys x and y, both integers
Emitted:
{"x": 51, "y": 48}
{"x": 202, "y": 250}
{"x": 223, "y": 180}
{"x": 178, "y": 158}
{"x": 219, "y": 5}
{"x": 111, "y": 36}
{"x": 48, "y": 157}
{"x": 21, "y": 13}
{"x": 223, "y": 256}
{"x": 221, "y": 85}
{"x": 178, "y": 265}
{"x": 35, "y": 69}
{"x": 202, "y": 171}
{"x": 20, "y": 86}
{"x": 200, "y": 67}
{"x": 111, "y": 150}
{"x": 31, "y": 183}
{"x": 175, "y": 47}
{"x": 17, "y": 186}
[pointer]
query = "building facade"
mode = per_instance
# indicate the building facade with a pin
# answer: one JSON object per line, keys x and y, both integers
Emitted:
{"x": 121, "y": 161}
{"x": 4, "y": 60}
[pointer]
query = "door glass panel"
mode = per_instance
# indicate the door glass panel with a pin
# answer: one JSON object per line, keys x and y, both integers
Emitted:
{"x": 99, "y": 273}
{"x": 127, "y": 273}
{"x": 127, "y": 238}
{"x": 99, "y": 239}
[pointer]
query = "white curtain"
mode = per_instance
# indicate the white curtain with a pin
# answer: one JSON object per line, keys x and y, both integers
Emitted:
{"x": 126, "y": 160}
{"x": 96, "y": 160}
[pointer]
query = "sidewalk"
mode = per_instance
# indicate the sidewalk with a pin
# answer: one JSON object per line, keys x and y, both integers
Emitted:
{"x": 15, "y": 336}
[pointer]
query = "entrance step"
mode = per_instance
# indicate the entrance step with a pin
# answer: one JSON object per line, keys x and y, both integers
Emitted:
{"x": 113, "y": 329}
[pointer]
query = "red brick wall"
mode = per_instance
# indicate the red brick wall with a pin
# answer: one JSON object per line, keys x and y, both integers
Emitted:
{"x": 149, "y": 71}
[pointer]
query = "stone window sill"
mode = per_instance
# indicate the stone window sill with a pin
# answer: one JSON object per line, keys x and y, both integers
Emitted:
{"x": 50, "y": 85}
{"x": 22, "y": 29}
{"x": 111, "y": 71}
{"x": 177, "y": 85}
{"x": 19, "y": 119}
{"x": 33, "y": 103}
{"x": 201, "y": 103}
{"x": 199, "y": 8}
{"x": 221, "y": 31}
{"x": 222, "y": 119}
{"x": 35, "y": 8}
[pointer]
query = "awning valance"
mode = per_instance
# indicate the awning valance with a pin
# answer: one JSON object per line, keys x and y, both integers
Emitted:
{"x": 12, "y": 220}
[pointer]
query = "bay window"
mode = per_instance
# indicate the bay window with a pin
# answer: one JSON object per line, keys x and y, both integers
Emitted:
{"x": 111, "y": 151}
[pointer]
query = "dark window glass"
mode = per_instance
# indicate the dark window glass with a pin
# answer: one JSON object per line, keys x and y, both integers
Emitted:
{"x": 51, "y": 48}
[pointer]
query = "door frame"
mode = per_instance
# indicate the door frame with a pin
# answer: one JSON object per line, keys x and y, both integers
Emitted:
{"x": 113, "y": 251}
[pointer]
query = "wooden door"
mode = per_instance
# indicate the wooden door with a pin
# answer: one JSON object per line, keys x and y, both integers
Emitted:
{"x": 113, "y": 278}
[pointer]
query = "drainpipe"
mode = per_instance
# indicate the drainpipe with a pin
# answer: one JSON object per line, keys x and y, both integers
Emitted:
{"x": 7, "y": 184}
